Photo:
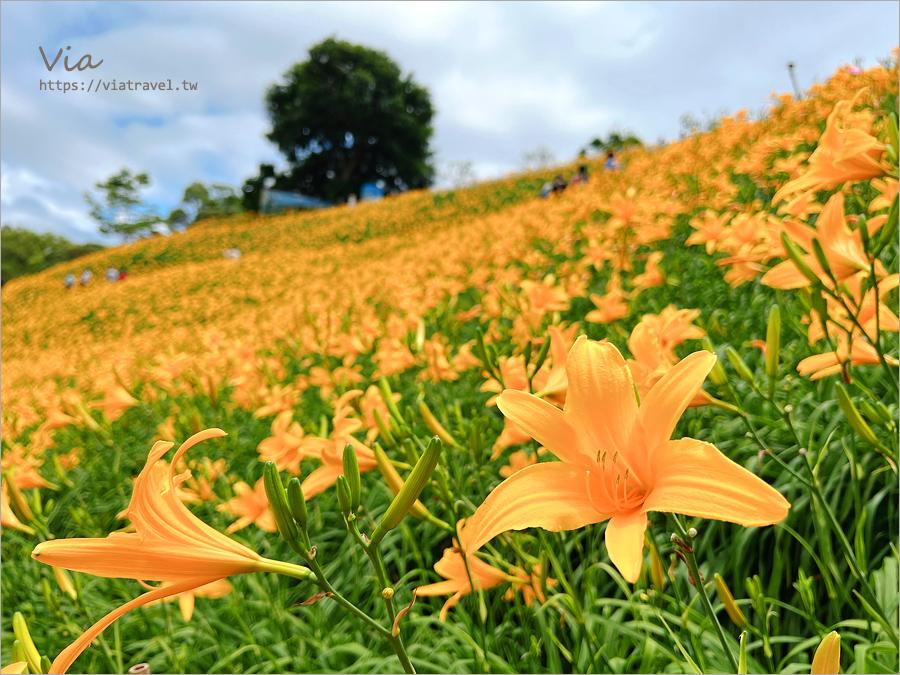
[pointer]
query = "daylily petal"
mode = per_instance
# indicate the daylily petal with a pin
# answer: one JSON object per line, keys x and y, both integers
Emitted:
{"x": 554, "y": 496}
{"x": 696, "y": 479}
{"x": 670, "y": 397}
{"x": 597, "y": 372}
{"x": 68, "y": 655}
{"x": 625, "y": 543}
{"x": 543, "y": 422}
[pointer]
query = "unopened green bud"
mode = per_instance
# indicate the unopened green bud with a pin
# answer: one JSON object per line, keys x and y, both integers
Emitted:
{"x": 822, "y": 259}
{"x": 395, "y": 482}
{"x": 46, "y": 664}
{"x": 773, "y": 346}
{"x": 717, "y": 374}
{"x": 383, "y": 430}
{"x": 526, "y": 355}
{"x": 297, "y": 505}
{"x": 863, "y": 230}
{"x": 20, "y": 629}
{"x": 343, "y": 495}
{"x": 796, "y": 257}
{"x": 49, "y": 597}
{"x": 742, "y": 655}
{"x": 410, "y": 491}
{"x": 852, "y": 414}
{"x": 18, "y": 652}
{"x": 388, "y": 397}
{"x": 351, "y": 472}
{"x": 739, "y": 365}
{"x": 542, "y": 355}
{"x": 278, "y": 502}
{"x": 889, "y": 229}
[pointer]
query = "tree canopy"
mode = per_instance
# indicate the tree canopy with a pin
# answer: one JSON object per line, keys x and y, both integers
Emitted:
{"x": 201, "y": 201}
{"x": 123, "y": 210}
{"x": 347, "y": 116}
{"x": 26, "y": 252}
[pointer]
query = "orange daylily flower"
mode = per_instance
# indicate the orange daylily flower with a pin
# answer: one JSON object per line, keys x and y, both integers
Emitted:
{"x": 331, "y": 450}
{"x": 860, "y": 353}
{"x": 517, "y": 462}
{"x": 652, "y": 275}
{"x": 611, "y": 306}
{"x": 115, "y": 402}
{"x": 452, "y": 567}
{"x": 287, "y": 446}
{"x": 620, "y": 464}
{"x": 8, "y": 519}
{"x": 251, "y": 506}
{"x": 842, "y": 155}
{"x": 842, "y": 247}
{"x": 170, "y": 545}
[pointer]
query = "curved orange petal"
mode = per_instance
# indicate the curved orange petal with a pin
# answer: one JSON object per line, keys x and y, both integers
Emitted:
{"x": 625, "y": 543}
{"x": 696, "y": 479}
{"x": 320, "y": 479}
{"x": 669, "y": 398}
{"x": 68, "y": 655}
{"x": 554, "y": 496}
{"x": 600, "y": 403}
{"x": 543, "y": 422}
{"x": 785, "y": 275}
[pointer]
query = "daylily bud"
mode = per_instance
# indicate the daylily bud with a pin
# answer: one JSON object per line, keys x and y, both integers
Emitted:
{"x": 739, "y": 365}
{"x": 435, "y": 427}
{"x": 297, "y": 505}
{"x": 526, "y": 355}
{"x": 343, "y": 495}
{"x": 410, "y": 491}
{"x": 395, "y": 482}
{"x": 388, "y": 398}
{"x": 773, "y": 346}
{"x": 657, "y": 574}
{"x": 852, "y": 414}
{"x": 822, "y": 259}
{"x": 46, "y": 664}
{"x": 18, "y": 653}
{"x": 827, "y": 659}
{"x": 863, "y": 230}
{"x": 383, "y": 430}
{"x": 796, "y": 257}
{"x": 420, "y": 336}
{"x": 18, "y": 499}
{"x": 20, "y": 629}
{"x": 49, "y": 597}
{"x": 351, "y": 471}
{"x": 542, "y": 355}
{"x": 724, "y": 593}
{"x": 65, "y": 582}
{"x": 278, "y": 501}
{"x": 742, "y": 654}
{"x": 889, "y": 228}
{"x": 717, "y": 374}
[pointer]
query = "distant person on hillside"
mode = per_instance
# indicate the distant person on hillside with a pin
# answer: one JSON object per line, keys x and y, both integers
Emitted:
{"x": 611, "y": 163}
{"x": 559, "y": 184}
{"x": 581, "y": 176}
{"x": 112, "y": 275}
{"x": 546, "y": 190}
{"x": 233, "y": 253}
{"x": 86, "y": 277}
{"x": 123, "y": 274}
{"x": 69, "y": 281}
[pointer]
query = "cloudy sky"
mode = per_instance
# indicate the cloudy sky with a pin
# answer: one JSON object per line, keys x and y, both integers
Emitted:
{"x": 505, "y": 78}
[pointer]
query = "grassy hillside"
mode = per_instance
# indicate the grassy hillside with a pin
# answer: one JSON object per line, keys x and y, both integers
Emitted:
{"x": 399, "y": 293}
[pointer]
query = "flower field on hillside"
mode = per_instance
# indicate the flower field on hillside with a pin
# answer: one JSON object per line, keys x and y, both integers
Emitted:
{"x": 435, "y": 433}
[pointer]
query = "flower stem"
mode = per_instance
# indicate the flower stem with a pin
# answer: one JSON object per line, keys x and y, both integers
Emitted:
{"x": 701, "y": 589}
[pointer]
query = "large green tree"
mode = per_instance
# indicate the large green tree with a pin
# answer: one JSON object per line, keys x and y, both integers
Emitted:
{"x": 347, "y": 116}
{"x": 122, "y": 209}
